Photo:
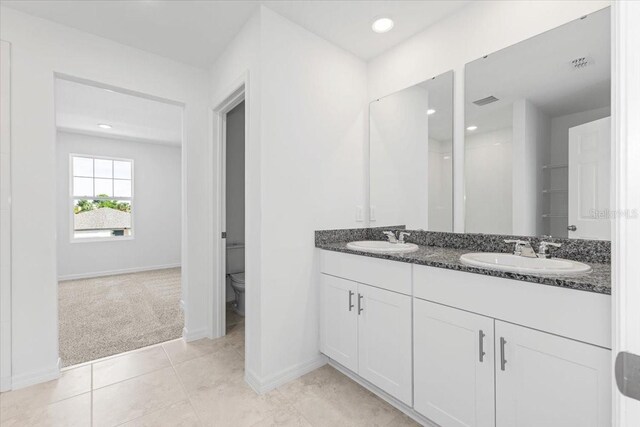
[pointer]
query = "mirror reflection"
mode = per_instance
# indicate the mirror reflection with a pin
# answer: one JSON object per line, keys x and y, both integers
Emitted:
{"x": 411, "y": 133}
{"x": 538, "y": 134}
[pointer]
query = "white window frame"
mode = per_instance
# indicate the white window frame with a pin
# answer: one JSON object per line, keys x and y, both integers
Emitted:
{"x": 72, "y": 199}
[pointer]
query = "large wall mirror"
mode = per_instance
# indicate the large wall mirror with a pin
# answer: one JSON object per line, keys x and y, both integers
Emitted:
{"x": 411, "y": 133}
{"x": 538, "y": 134}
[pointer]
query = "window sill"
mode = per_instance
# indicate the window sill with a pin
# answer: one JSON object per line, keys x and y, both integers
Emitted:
{"x": 102, "y": 239}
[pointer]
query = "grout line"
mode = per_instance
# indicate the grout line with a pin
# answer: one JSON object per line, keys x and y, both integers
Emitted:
{"x": 184, "y": 388}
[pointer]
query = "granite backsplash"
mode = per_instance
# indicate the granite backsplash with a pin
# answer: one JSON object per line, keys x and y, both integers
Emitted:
{"x": 576, "y": 249}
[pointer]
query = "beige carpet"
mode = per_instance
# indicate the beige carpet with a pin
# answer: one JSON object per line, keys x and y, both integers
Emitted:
{"x": 109, "y": 315}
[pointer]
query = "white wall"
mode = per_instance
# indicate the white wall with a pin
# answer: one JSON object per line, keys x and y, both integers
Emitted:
{"x": 530, "y": 142}
{"x": 488, "y": 175}
{"x": 39, "y": 49}
{"x": 156, "y": 209}
{"x": 5, "y": 216}
{"x": 399, "y": 158}
{"x": 440, "y": 186}
{"x": 307, "y": 115}
{"x": 478, "y": 29}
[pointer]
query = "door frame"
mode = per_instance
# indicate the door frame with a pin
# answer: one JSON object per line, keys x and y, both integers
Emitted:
{"x": 227, "y": 101}
{"x": 625, "y": 196}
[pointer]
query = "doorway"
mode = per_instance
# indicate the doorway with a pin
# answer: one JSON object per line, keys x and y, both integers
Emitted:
{"x": 234, "y": 208}
{"x": 119, "y": 220}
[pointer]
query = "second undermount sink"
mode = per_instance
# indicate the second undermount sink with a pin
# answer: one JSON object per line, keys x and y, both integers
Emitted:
{"x": 519, "y": 264}
{"x": 378, "y": 246}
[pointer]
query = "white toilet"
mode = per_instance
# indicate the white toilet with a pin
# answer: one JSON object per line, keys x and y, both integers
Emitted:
{"x": 235, "y": 273}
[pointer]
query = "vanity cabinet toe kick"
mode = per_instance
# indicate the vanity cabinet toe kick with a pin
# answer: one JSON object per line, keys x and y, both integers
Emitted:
{"x": 437, "y": 343}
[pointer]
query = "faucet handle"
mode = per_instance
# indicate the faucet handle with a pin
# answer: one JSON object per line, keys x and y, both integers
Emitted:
{"x": 402, "y": 235}
{"x": 543, "y": 248}
{"x": 519, "y": 245}
{"x": 391, "y": 236}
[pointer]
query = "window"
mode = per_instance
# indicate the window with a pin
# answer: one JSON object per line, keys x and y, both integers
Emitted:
{"x": 101, "y": 197}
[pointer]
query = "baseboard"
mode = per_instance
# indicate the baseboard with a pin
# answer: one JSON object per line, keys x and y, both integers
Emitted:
{"x": 5, "y": 383}
{"x": 264, "y": 385}
{"x": 407, "y": 410}
{"x": 195, "y": 334}
{"x": 114, "y": 272}
{"x": 25, "y": 380}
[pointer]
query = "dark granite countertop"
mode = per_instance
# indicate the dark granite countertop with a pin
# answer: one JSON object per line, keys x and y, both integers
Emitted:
{"x": 598, "y": 280}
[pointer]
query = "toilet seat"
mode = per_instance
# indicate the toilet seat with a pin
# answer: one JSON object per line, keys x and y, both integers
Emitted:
{"x": 237, "y": 279}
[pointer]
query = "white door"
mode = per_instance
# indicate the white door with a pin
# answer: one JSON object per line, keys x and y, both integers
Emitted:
{"x": 339, "y": 321}
{"x": 546, "y": 380}
{"x": 453, "y": 365}
{"x": 384, "y": 335}
{"x": 589, "y": 180}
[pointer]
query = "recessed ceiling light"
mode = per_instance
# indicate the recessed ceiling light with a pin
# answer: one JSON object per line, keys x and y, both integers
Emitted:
{"x": 472, "y": 128}
{"x": 382, "y": 25}
{"x": 430, "y": 111}
{"x": 104, "y": 126}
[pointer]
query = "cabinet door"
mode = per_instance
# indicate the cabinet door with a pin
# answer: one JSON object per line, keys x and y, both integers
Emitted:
{"x": 453, "y": 365}
{"x": 546, "y": 380}
{"x": 384, "y": 335}
{"x": 339, "y": 321}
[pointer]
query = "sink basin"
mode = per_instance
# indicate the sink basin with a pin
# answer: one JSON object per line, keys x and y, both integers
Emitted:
{"x": 520, "y": 264}
{"x": 378, "y": 246}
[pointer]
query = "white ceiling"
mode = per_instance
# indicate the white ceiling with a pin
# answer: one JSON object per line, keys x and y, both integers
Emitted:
{"x": 539, "y": 69}
{"x": 80, "y": 108}
{"x": 197, "y": 32}
{"x": 348, "y": 23}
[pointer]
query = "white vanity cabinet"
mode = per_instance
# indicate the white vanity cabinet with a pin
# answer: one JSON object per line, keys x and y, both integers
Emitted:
{"x": 339, "y": 321}
{"x": 367, "y": 329}
{"x": 461, "y": 349}
{"x": 546, "y": 380}
{"x": 453, "y": 365}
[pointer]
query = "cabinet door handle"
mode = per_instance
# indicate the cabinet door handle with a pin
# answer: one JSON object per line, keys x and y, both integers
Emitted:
{"x": 351, "y": 293}
{"x": 503, "y": 361}
{"x": 481, "y": 345}
{"x": 360, "y": 309}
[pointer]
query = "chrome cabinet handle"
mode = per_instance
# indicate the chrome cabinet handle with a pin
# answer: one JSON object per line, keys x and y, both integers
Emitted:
{"x": 481, "y": 346}
{"x": 351, "y": 293}
{"x": 503, "y": 361}
{"x": 360, "y": 309}
{"x": 572, "y": 228}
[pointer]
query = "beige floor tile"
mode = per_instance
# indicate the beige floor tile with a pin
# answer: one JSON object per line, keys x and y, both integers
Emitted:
{"x": 72, "y": 412}
{"x": 235, "y": 337}
{"x": 180, "y": 351}
{"x": 210, "y": 370}
{"x": 235, "y": 404}
{"x": 71, "y": 383}
{"x": 179, "y": 414}
{"x": 131, "y": 399}
{"x": 326, "y": 397}
{"x": 401, "y": 420}
{"x": 128, "y": 366}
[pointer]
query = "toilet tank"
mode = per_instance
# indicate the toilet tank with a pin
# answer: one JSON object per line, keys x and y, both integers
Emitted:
{"x": 235, "y": 258}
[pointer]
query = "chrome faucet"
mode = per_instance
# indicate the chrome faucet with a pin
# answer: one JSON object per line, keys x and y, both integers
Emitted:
{"x": 402, "y": 235}
{"x": 391, "y": 236}
{"x": 523, "y": 248}
{"x": 543, "y": 249}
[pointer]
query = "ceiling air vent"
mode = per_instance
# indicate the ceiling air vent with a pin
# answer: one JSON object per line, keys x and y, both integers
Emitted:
{"x": 485, "y": 101}
{"x": 581, "y": 62}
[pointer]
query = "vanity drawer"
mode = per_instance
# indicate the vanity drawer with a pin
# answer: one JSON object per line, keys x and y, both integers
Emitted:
{"x": 580, "y": 315}
{"x": 391, "y": 275}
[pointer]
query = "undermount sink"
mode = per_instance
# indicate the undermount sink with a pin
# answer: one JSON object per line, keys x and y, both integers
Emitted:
{"x": 519, "y": 264}
{"x": 378, "y": 246}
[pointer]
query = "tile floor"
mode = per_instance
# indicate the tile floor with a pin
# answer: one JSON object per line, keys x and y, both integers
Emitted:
{"x": 195, "y": 384}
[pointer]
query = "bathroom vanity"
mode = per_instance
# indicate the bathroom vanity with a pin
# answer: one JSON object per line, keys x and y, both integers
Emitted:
{"x": 455, "y": 345}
